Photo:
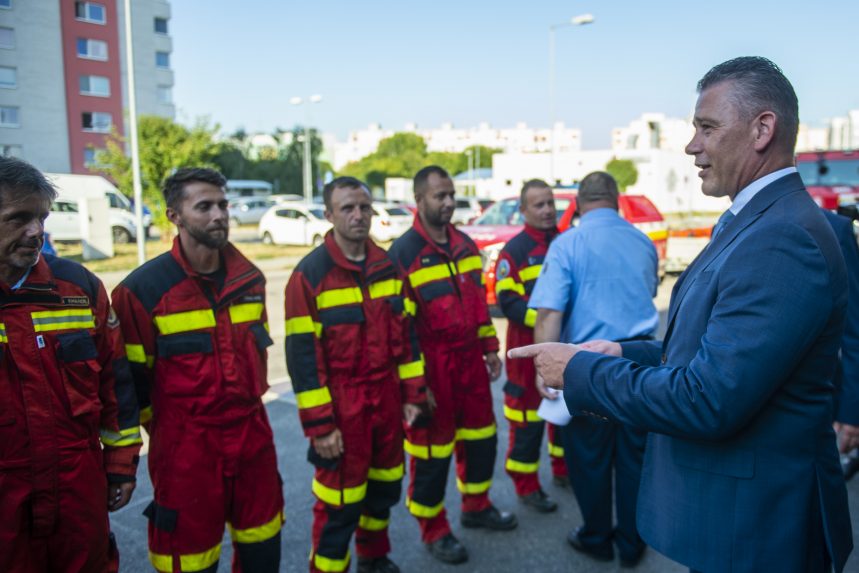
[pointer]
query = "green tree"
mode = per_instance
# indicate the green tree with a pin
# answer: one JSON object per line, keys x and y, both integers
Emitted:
{"x": 164, "y": 147}
{"x": 623, "y": 171}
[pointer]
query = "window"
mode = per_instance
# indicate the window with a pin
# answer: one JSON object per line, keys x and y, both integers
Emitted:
{"x": 92, "y": 49}
{"x": 89, "y": 156}
{"x": 64, "y": 207}
{"x": 160, "y": 25}
{"x": 162, "y": 59}
{"x": 95, "y": 86}
{"x": 98, "y": 122}
{"x": 7, "y": 37}
{"x": 8, "y": 77}
{"x": 165, "y": 94}
{"x": 10, "y": 150}
{"x": 9, "y": 116}
{"x": 90, "y": 12}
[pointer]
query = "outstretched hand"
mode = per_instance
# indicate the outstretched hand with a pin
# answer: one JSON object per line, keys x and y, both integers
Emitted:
{"x": 550, "y": 360}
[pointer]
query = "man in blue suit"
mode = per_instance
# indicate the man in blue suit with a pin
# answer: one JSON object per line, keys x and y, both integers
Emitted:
{"x": 741, "y": 470}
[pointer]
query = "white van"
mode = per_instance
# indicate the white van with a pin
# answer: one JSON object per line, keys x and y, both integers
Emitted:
{"x": 64, "y": 222}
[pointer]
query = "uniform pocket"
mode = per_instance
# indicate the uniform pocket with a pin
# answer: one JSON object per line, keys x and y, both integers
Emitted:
{"x": 80, "y": 370}
{"x": 182, "y": 363}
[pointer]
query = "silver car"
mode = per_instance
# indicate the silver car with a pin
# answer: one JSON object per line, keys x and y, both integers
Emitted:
{"x": 248, "y": 210}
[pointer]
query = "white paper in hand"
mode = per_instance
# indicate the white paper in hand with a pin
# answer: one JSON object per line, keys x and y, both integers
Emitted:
{"x": 555, "y": 411}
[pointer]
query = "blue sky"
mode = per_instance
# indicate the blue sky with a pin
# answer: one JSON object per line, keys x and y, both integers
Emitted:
{"x": 394, "y": 62}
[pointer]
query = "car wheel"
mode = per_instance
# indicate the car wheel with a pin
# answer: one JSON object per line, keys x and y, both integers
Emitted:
{"x": 317, "y": 240}
{"x": 267, "y": 238}
{"x": 121, "y": 235}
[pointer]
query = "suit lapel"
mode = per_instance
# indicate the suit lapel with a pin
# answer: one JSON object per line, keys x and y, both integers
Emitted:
{"x": 748, "y": 215}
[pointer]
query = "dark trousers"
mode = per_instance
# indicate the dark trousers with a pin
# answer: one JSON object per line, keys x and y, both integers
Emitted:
{"x": 592, "y": 449}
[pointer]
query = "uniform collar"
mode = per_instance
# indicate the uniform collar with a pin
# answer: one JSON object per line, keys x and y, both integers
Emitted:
{"x": 453, "y": 238}
{"x": 543, "y": 237}
{"x": 234, "y": 262}
{"x": 374, "y": 253}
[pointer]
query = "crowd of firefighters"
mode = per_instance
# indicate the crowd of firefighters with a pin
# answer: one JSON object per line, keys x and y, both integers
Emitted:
{"x": 388, "y": 353}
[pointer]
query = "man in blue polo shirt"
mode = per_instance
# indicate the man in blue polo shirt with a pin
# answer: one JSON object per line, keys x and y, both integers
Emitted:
{"x": 598, "y": 282}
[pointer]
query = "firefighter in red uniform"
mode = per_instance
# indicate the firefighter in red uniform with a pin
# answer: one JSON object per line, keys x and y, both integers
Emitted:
{"x": 64, "y": 380}
{"x": 195, "y": 328}
{"x": 356, "y": 370}
{"x": 444, "y": 288}
{"x": 516, "y": 272}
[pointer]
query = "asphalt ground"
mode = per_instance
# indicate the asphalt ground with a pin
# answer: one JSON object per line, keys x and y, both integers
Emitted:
{"x": 538, "y": 544}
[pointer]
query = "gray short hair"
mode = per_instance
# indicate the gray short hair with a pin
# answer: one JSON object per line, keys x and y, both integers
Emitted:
{"x": 19, "y": 179}
{"x": 598, "y": 186}
{"x": 760, "y": 86}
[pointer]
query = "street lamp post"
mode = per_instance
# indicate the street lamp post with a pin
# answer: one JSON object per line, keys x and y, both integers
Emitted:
{"x": 137, "y": 183}
{"x": 580, "y": 20}
{"x": 308, "y": 169}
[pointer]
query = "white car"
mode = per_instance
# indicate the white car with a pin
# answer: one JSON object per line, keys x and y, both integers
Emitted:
{"x": 293, "y": 224}
{"x": 64, "y": 220}
{"x": 468, "y": 209}
{"x": 389, "y": 221}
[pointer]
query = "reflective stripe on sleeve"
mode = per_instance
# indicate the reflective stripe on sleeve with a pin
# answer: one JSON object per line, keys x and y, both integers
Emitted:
{"x": 530, "y": 273}
{"x": 387, "y": 474}
{"x": 185, "y": 321}
{"x": 509, "y": 284}
{"x": 410, "y": 307}
{"x": 3, "y": 337}
{"x": 247, "y": 312}
{"x": 530, "y": 317}
{"x": 145, "y": 414}
{"x": 555, "y": 451}
{"x": 390, "y": 287}
{"x": 137, "y": 354}
{"x": 303, "y": 325}
{"x": 125, "y": 437}
{"x": 428, "y": 274}
{"x": 339, "y": 297}
{"x": 338, "y": 497}
{"x": 66, "y": 319}
{"x": 411, "y": 369}
{"x": 471, "y": 434}
{"x": 486, "y": 331}
{"x": 260, "y": 533}
{"x": 313, "y": 398}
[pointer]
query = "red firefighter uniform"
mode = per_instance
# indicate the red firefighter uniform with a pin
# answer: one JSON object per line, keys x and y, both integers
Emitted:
{"x": 444, "y": 290}
{"x": 198, "y": 353}
{"x": 516, "y": 272}
{"x": 64, "y": 380}
{"x": 353, "y": 357}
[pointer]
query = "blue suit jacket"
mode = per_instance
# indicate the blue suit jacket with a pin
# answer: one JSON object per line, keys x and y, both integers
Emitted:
{"x": 741, "y": 469}
{"x": 848, "y": 374}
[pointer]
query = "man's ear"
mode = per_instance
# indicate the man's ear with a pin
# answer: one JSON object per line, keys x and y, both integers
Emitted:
{"x": 329, "y": 216}
{"x": 764, "y": 130}
{"x": 174, "y": 217}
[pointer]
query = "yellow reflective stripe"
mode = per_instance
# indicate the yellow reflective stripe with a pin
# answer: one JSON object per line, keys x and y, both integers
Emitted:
{"x": 473, "y": 488}
{"x": 468, "y": 264}
{"x": 125, "y": 437}
{"x": 428, "y": 274}
{"x": 521, "y": 467}
{"x": 136, "y": 353}
{"x": 521, "y": 416}
{"x": 530, "y": 317}
{"x": 185, "y": 321}
{"x": 387, "y": 474}
{"x": 145, "y": 414}
{"x": 313, "y": 398}
{"x": 368, "y": 523}
{"x": 658, "y": 235}
{"x": 555, "y": 451}
{"x": 260, "y": 533}
{"x": 530, "y": 273}
{"x": 475, "y": 433}
{"x": 331, "y": 565}
{"x": 75, "y": 318}
{"x": 486, "y": 331}
{"x": 419, "y": 510}
{"x": 438, "y": 451}
{"x": 411, "y": 369}
{"x": 345, "y": 496}
{"x": 3, "y": 337}
{"x": 200, "y": 561}
{"x": 509, "y": 284}
{"x": 339, "y": 297}
{"x": 162, "y": 563}
{"x": 410, "y": 307}
{"x": 303, "y": 325}
{"x": 247, "y": 312}
{"x": 390, "y": 287}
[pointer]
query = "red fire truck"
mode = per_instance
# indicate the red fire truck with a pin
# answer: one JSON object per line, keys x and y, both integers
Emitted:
{"x": 832, "y": 178}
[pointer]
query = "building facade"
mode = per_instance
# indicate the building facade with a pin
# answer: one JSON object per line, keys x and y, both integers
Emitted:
{"x": 63, "y": 76}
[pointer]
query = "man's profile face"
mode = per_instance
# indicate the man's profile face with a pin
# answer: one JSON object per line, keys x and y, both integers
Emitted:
{"x": 538, "y": 209}
{"x": 351, "y": 213}
{"x": 436, "y": 204}
{"x": 203, "y": 214}
{"x": 22, "y": 229}
{"x": 723, "y": 144}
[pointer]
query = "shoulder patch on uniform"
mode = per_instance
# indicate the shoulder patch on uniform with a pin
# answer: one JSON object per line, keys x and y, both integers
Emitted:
{"x": 112, "y": 319}
{"x": 502, "y": 271}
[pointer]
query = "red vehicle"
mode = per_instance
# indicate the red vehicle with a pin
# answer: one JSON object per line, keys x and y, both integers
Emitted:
{"x": 502, "y": 221}
{"x": 831, "y": 177}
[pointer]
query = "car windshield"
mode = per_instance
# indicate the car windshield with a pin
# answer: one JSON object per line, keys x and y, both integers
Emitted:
{"x": 835, "y": 172}
{"x": 318, "y": 213}
{"x": 506, "y": 212}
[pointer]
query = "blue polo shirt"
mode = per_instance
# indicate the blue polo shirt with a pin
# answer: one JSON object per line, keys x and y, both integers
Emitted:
{"x": 602, "y": 275}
